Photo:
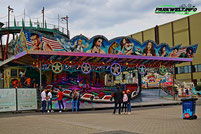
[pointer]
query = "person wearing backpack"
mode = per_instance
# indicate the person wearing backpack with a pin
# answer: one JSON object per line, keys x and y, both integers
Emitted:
{"x": 75, "y": 97}
{"x": 125, "y": 102}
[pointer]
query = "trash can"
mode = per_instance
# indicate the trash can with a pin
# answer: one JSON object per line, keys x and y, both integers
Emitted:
{"x": 188, "y": 105}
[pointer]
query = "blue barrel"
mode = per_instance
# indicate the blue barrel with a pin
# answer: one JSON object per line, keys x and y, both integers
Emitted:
{"x": 189, "y": 105}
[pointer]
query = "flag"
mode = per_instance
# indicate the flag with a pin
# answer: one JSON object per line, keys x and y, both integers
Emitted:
{"x": 29, "y": 43}
{"x": 53, "y": 43}
{"x": 181, "y": 50}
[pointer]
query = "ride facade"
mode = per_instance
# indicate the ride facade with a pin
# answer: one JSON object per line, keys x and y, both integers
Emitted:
{"x": 91, "y": 66}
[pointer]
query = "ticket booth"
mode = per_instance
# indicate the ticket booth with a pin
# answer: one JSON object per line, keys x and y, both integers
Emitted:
{"x": 12, "y": 76}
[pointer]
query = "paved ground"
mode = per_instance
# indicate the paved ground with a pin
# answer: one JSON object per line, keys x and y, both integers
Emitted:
{"x": 146, "y": 120}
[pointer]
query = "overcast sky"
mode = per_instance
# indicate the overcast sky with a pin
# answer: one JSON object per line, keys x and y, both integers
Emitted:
{"x": 111, "y": 18}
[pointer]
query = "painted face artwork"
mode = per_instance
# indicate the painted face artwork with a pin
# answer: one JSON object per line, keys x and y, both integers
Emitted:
{"x": 175, "y": 51}
{"x": 99, "y": 42}
{"x": 80, "y": 42}
{"x": 149, "y": 46}
{"x": 164, "y": 49}
{"x": 35, "y": 40}
{"x": 124, "y": 41}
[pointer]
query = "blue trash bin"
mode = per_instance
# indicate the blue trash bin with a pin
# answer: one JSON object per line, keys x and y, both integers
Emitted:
{"x": 189, "y": 105}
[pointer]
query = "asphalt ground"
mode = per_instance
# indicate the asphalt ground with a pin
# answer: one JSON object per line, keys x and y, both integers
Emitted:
{"x": 143, "y": 120}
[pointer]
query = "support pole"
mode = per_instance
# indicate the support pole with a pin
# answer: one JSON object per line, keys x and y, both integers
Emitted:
{"x": 40, "y": 75}
{"x": 66, "y": 19}
{"x": 43, "y": 12}
{"x": 13, "y": 39}
{"x": 16, "y": 99}
{"x": 6, "y": 48}
{"x": 139, "y": 81}
{"x": 2, "y": 53}
{"x": 9, "y": 9}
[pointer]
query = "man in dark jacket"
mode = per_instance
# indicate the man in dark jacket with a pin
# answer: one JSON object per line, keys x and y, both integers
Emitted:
{"x": 118, "y": 98}
{"x": 129, "y": 101}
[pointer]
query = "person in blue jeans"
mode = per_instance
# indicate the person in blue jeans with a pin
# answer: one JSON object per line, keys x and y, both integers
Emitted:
{"x": 49, "y": 101}
{"x": 78, "y": 103}
{"x": 43, "y": 96}
{"x": 129, "y": 101}
{"x": 60, "y": 100}
{"x": 75, "y": 97}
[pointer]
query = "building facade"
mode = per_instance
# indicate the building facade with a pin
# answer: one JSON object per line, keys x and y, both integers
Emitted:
{"x": 185, "y": 31}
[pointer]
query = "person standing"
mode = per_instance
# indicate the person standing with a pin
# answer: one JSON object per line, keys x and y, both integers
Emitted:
{"x": 60, "y": 100}
{"x": 187, "y": 92}
{"x": 176, "y": 94}
{"x": 22, "y": 80}
{"x": 75, "y": 97}
{"x": 49, "y": 101}
{"x": 43, "y": 96}
{"x": 118, "y": 96}
{"x": 125, "y": 102}
{"x": 78, "y": 103}
{"x": 27, "y": 82}
{"x": 33, "y": 83}
{"x": 129, "y": 101}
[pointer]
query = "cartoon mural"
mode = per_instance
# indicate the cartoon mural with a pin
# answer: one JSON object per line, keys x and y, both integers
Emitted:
{"x": 99, "y": 44}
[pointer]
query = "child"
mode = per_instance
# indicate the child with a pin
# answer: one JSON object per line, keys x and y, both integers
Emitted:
{"x": 125, "y": 102}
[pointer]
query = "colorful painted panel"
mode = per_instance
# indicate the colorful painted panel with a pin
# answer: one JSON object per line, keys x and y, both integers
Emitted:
{"x": 38, "y": 41}
{"x": 154, "y": 79}
{"x": 99, "y": 44}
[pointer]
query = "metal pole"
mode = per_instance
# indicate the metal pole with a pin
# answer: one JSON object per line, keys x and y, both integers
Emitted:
{"x": 6, "y": 48}
{"x": 16, "y": 99}
{"x": 2, "y": 53}
{"x": 43, "y": 10}
{"x": 40, "y": 74}
{"x": 66, "y": 19}
{"x": 8, "y": 15}
{"x": 67, "y": 24}
{"x": 9, "y": 9}
{"x": 13, "y": 39}
{"x": 58, "y": 20}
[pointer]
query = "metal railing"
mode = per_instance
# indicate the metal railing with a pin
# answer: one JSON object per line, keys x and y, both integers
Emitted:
{"x": 36, "y": 25}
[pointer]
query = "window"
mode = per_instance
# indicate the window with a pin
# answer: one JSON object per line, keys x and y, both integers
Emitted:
{"x": 13, "y": 72}
{"x": 197, "y": 68}
{"x": 187, "y": 69}
{"x": 182, "y": 70}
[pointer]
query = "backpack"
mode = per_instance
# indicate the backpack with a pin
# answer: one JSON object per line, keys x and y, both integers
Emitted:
{"x": 125, "y": 98}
